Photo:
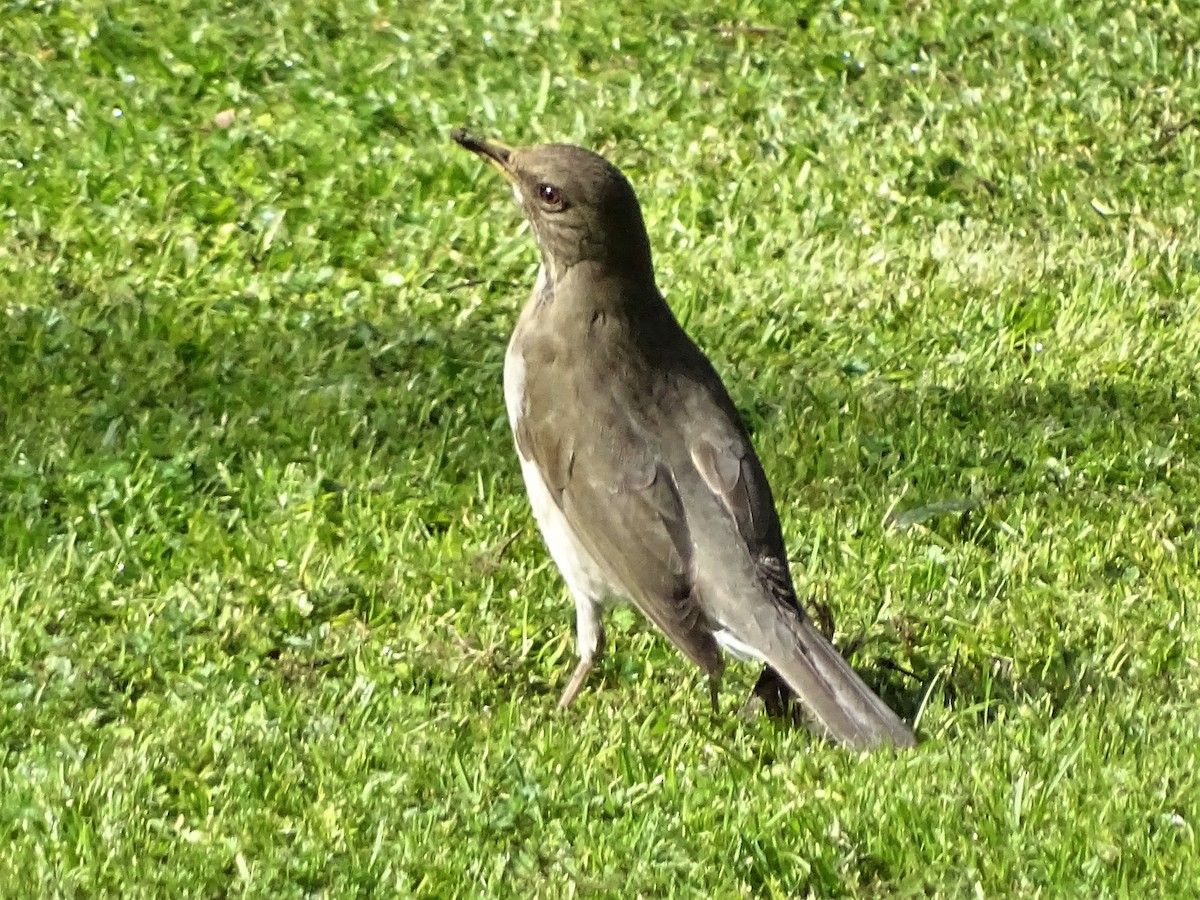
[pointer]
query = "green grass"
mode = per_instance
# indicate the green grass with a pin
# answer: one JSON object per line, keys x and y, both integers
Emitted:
{"x": 262, "y": 629}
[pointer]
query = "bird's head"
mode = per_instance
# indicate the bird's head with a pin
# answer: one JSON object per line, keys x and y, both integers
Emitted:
{"x": 580, "y": 206}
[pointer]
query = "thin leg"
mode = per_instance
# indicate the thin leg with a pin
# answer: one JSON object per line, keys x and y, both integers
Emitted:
{"x": 575, "y": 684}
{"x": 772, "y": 696}
{"x": 589, "y": 636}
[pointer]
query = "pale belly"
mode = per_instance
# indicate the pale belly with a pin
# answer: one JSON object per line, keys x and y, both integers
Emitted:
{"x": 583, "y": 575}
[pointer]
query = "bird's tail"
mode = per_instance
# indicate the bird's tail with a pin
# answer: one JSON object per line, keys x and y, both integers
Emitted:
{"x": 841, "y": 704}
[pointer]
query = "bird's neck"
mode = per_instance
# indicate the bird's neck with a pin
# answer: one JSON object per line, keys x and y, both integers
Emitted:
{"x": 607, "y": 254}
{"x": 626, "y": 272}
{"x": 601, "y": 304}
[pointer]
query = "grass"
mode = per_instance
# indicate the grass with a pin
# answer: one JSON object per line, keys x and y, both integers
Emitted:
{"x": 274, "y": 618}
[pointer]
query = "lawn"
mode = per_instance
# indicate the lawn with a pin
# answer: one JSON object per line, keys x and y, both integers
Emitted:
{"x": 275, "y": 620}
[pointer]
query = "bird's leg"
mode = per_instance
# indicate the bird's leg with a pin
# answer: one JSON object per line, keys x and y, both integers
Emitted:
{"x": 575, "y": 684}
{"x": 589, "y": 636}
{"x": 772, "y": 696}
{"x": 715, "y": 672}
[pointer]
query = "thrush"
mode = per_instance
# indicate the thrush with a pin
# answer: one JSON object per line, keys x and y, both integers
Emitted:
{"x": 640, "y": 472}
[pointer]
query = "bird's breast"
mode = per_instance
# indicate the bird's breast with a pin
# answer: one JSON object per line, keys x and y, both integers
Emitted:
{"x": 583, "y": 574}
{"x": 514, "y": 383}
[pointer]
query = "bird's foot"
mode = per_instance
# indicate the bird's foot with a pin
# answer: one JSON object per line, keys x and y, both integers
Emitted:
{"x": 575, "y": 685}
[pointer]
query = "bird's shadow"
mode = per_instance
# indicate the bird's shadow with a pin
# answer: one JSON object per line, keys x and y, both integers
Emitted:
{"x": 1027, "y": 434}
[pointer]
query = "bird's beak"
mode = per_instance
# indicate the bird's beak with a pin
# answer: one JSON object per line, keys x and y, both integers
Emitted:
{"x": 493, "y": 151}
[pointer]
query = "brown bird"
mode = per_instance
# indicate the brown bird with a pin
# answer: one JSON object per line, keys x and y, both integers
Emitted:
{"x": 640, "y": 472}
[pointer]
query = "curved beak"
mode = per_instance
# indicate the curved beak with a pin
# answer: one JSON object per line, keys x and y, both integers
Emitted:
{"x": 493, "y": 151}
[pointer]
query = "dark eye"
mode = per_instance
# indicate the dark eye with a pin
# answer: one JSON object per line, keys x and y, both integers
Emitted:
{"x": 549, "y": 195}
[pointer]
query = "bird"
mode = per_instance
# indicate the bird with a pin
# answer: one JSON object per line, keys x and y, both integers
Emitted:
{"x": 640, "y": 472}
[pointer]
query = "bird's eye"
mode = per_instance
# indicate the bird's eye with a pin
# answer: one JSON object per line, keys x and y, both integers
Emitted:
{"x": 550, "y": 196}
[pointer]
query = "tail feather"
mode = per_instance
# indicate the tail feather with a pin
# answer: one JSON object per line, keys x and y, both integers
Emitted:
{"x": 827, "y": 687}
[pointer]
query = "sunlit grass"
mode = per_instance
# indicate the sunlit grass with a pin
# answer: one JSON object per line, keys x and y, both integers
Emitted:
{"x": 274, "y": 617}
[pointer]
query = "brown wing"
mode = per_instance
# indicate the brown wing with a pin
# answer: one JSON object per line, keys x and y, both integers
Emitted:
{"x": 728, "y": 471}
{"x": 727, "y": 464}
{"x": 623, "y": 506}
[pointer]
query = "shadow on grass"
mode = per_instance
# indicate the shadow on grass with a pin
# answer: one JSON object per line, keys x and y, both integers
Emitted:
{"x": 1082, "y": 448}
{"x": 212, "y": 397}
{"x": 237, "y": 389}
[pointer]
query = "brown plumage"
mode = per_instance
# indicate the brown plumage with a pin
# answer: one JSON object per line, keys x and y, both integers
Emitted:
{"x": 641, "y": 474}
